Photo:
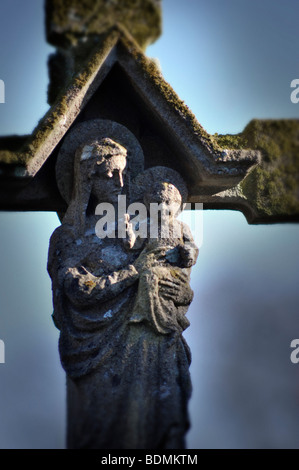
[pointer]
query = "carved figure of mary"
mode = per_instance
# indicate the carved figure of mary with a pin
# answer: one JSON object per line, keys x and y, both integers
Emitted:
{"x": 127, "y": 384}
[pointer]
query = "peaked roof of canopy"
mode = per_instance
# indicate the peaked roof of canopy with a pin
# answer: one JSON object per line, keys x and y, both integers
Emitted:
{"x": 219, "y": 177}
{"x": 211, "y": 164}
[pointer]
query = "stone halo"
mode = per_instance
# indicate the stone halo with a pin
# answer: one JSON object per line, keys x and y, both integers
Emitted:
{"x": 88, "y": 131}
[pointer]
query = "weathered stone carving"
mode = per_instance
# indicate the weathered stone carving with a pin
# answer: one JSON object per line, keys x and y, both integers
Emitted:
{"x": 120, "y": 303}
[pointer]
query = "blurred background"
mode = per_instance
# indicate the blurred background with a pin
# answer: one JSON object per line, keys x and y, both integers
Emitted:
{"x": 230, "y": 62}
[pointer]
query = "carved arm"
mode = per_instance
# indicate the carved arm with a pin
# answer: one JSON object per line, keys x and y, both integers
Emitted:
{"x": 86, "y": 289}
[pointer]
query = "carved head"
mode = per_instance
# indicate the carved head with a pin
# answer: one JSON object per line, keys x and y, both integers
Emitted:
{"x": 91, "y": 164}
{"x": 163, "y": 186}
{"x": 107, "y": 161}
{"x": 166, "y": 195}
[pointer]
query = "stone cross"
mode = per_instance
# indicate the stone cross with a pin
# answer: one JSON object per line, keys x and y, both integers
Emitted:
{"x": 117, "y": 130}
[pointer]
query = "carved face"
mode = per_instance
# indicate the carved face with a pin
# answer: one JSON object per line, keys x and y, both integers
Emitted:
{"x": 108, "y": 179}
{"x": 167, "y": 196}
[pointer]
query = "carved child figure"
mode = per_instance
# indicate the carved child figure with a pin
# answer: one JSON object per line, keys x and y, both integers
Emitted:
{"x": 168, "y": 254}
{"x": 120, "y": 311}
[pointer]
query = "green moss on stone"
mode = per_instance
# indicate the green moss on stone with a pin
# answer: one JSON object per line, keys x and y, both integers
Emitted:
{"x": 90, "y": 63}
{"x": 44, "y": 128}
{"x": 273, "y": 186}
{"x": 10, "y": 149}
{"x": 22, "y": 154}
{"x": 230, "y": 141}
{"x": 179, "y": 106}
{"x": 8, "y": 158}
{"x": 68, "y": 20}
{"x": 30, "y": 145}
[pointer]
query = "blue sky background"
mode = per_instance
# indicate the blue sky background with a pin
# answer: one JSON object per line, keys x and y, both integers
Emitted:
{"x": 230, "y": 62}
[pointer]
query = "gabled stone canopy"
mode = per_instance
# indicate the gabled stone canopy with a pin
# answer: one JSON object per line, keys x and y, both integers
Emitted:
{"x": 120, "y": 83}
{"x": 68, "y": 22}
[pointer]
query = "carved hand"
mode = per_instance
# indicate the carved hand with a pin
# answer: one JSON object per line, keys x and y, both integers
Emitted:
{"x": 189, "y": 254}
{"x": 176, "y": 287}
{"x": 142, "y": 261}
{"x": 149, "y": 258}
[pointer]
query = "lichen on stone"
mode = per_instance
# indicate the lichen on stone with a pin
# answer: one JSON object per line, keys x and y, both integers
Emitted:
{"x": 153, "y": 73}
{"x": 230, "y": 141}
{"x": 69, "y": 20}
{"x": 272, "y": 188}
{"x": 11, "y": 149}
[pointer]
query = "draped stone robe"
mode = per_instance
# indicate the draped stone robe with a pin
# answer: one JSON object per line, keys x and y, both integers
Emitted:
{"x": 127, "y": 383}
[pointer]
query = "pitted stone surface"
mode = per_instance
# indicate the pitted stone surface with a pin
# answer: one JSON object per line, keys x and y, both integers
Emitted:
{"x": 121, "y": 307}
{"x": 68, "y": 21}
